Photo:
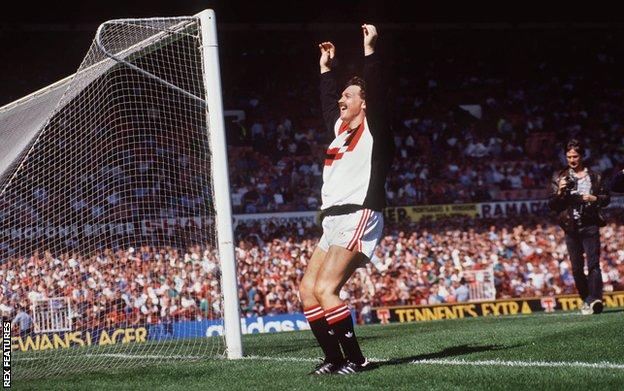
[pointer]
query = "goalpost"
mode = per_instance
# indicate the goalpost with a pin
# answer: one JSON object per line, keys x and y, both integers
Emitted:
{"x": 115, "y": 206}
{"x": 216, "y": 126}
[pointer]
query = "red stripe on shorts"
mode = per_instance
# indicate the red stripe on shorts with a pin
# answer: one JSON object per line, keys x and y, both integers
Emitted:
{"x": 359, "y": 245}
{"x": 359, "y": 230}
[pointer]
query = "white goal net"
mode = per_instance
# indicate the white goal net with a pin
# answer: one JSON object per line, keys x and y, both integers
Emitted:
{"x": 108, "y": 239}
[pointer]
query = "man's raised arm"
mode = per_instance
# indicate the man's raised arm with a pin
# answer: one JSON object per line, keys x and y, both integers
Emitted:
{"x": 328, "y": 87}
{"x": 375, "y": 86}
{"x": 370, "y": 38}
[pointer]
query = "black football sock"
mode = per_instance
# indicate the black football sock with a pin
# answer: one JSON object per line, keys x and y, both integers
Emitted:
{"x": 339, "y": 319}
{"x": 323, "y": 334}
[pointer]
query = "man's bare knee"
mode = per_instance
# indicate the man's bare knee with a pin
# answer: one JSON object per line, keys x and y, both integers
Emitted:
{"x": 306, "y": 287}
{"x": 306, "y": 293}
{"x": 324, "y": 291}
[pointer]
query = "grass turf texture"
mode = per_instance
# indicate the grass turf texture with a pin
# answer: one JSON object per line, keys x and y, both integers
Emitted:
{"x": 283, "y": 359}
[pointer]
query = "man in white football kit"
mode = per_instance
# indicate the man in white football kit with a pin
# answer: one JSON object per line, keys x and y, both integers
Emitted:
{"x": 353, "y": 196}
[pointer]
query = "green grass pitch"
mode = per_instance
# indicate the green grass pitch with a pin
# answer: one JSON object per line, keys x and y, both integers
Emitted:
{"x": 562, "y": 351}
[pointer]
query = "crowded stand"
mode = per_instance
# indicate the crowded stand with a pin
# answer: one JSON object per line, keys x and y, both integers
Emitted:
{"x": 416, "y": 264}
{"x": 469, "y": 126}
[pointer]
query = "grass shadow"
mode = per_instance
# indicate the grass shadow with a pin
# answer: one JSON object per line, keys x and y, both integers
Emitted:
{"x": 453, "y": 351}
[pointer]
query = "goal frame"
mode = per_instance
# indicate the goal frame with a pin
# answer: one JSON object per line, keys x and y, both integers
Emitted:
{"x": 219, "y": 166}
{"x": 212, "y": 104}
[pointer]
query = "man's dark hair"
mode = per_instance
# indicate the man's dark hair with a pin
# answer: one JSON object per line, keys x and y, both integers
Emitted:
{"x": 576, "y": 146}
{"x": 358, "y": 81}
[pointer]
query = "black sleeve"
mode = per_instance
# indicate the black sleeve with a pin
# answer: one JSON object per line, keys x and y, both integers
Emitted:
{"x": 329, "y": 99}
{"x": 376, "y": 93}
{"x": 559, "y": 202}
{"x": 556, "y": 202}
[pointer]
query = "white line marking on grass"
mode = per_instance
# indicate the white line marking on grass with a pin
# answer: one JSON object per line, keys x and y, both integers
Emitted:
{"x": 525, "y": 364}
{"x": 549, "y": 364}
{"x": 146, "y": 356}
{"x": 289, "y": 359}
{"x": 174, "y": 357}
{"x": 298, "y": 359}
{"x": 116, "y": 355}
{"x": 571, "y": 364}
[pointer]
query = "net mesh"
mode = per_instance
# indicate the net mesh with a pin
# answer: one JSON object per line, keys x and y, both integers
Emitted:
{"x": 106, "y": 214}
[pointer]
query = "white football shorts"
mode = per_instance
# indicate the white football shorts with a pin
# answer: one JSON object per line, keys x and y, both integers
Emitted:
{"x": 357, "y": 231}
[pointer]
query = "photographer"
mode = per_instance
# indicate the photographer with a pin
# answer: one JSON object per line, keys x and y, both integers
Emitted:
{"x": 577, "y": 195}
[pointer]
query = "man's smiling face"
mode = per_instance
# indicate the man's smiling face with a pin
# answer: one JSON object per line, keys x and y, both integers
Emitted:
{"x": 351, "y": 103}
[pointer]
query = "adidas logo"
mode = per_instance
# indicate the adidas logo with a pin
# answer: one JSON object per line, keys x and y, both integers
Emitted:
{"x": 331, "y": 332}
{"x": 349, "y": 334}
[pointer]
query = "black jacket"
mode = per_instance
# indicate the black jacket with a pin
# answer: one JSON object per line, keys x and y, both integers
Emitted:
{"x": 617, "y": 183}
{"x": 563, "y": 204}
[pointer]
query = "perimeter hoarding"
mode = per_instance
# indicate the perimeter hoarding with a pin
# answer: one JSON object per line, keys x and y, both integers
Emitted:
{"x": 416, "y": 213}
{"x": 421, "y": 313}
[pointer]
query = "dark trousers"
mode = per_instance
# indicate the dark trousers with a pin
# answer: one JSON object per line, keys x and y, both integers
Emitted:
{"x": 586, "y": 240}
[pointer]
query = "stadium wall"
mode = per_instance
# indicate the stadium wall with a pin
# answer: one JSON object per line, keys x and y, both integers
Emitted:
{"x": 418, "y": 212}
{"x": 170, "y": 226}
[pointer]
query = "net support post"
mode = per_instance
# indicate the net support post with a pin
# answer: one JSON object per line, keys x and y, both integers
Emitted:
{"x": 223, "y": 207}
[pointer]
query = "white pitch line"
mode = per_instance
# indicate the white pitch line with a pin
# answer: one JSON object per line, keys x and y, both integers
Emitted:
{"x": 570, "y": 364}
{"x": 116, "y": 355}
{"x": 147, "y": 356}
{"x": 549, "y": 364}
{"x": 289, "y": 359}
{"x": 519, "y": 364}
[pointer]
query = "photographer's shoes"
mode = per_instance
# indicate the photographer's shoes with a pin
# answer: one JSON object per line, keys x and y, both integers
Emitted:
{"x": 596, "y": 307}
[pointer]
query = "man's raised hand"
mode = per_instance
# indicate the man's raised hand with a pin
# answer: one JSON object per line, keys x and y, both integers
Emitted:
{"x": 369, "y": 33}
{"x": 328, "y": 51}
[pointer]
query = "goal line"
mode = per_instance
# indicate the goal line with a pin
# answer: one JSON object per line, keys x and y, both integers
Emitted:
{"x": 460, "y": 362}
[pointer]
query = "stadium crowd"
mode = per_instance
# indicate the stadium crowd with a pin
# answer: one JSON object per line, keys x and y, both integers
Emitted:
{"x": 492, "y": 149}
{"x": 468, "y": 125}
{"x": 426, "y": 263}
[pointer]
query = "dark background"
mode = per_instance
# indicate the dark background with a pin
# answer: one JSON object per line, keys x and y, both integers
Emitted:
{"x": 42, "y": 42}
